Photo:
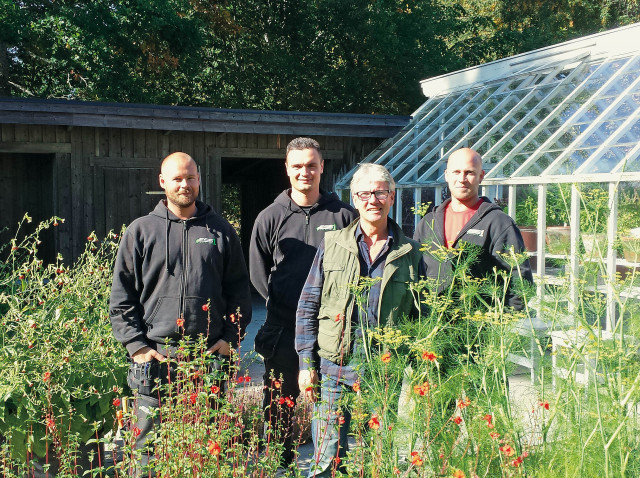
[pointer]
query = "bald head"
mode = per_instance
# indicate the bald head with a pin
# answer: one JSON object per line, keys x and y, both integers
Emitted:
{"x": 464, "y": 174}
{"x": 181, "y": 183}
{"x": 176, "y": 158}
{"x": 466, "y": 154}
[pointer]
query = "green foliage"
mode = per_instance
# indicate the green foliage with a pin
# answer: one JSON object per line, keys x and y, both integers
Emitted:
{"x": 335, "y": 55}
{"x": 60, "y": 365}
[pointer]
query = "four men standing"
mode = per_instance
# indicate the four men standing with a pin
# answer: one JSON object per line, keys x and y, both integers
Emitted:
{"x": 305, "y": 249}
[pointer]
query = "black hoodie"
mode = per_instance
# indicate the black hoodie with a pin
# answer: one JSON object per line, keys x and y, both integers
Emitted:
{"x": 490, "y": 228}
{"x": 168, "y": 268}
{"x": 283, "y": 244}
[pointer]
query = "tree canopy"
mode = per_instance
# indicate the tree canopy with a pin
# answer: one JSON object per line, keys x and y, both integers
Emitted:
{"x": 359, "y": 56}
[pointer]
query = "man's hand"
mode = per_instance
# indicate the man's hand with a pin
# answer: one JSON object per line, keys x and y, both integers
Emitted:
{"x": 222, "y": 347}
{"x": 146, "y": 354}
{"x": 307, "y": 381}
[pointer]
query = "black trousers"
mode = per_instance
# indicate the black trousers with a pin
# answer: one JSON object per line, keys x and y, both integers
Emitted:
{"x": 276, "y": 345}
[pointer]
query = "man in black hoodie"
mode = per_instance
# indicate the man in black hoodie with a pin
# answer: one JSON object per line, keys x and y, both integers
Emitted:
{"x": 179, "y": 272}
{"x": 468, "y": 218}
{"x": 283, "y": 244}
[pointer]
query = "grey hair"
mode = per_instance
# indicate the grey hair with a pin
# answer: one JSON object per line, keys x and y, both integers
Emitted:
{"x": 372, "y": 172}
{"x": 301, "y": 143}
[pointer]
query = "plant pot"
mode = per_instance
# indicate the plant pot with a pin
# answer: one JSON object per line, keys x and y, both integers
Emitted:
{"x": 558, "y": 239}
{"x": 530, "y": 237}
{"x": 595, "y": 244}
{"x": 631, "y": 248}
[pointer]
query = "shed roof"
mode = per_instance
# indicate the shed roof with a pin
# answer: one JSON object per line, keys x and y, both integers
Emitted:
{"x": 184, "y": 118}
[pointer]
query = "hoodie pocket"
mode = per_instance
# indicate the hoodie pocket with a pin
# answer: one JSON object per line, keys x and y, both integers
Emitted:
{"x": 196, "y": 319}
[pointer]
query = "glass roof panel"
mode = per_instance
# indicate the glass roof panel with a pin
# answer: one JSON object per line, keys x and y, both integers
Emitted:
{"x": 570, "y": 116}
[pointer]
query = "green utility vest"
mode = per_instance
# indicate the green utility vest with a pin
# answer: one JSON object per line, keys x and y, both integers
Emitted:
{"x": 342, "y": 267}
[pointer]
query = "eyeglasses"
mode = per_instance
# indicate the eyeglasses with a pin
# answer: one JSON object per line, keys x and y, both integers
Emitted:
{"x": 380, "y": 194}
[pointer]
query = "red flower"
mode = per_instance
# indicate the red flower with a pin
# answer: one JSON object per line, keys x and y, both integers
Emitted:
{"x": 457, "y": 420}
{"x": 422, "y": 389}
{"x": 356, "y": 386}
{"x": 341, "y": 420}
{"x": 464, "y": 402}
{"x": 116, "y": 402}
{"x": 507, "y": 450}
{"x": 415, "y": 459}
{"x": 386, "y": 357}
{"x": 180, "y": 322}
{"x": 281, "y": 401}
{"x": 494, "y": 435}
{"x": 55, "y": 224}
{"x": 544, "y": 405}
{"x": 205, "y": 307}
{"x": 289, "y": 402}
{"x": 488, "y": 418}
{"x": 50, "y": 423}
{"x": 46, "y": 376}
{"x": 247, "y": 378}
{"x": 458, "y": 474}
{"x": 213, "y": 448}
{"x": 277, "y": 384}
{"x": 193, "y": 397}
{"x": 430, "y": 356}
{"x": 233, "y": 318}
{"x": 516, "y": 462}
{"x": 136, "y": 432}
{"x": 215, "y": 389}
{"x": 374, "y": 422}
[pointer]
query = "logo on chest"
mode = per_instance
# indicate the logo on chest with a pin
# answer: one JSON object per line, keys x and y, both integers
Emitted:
{"x": 206, "y": 240}
{"x": 476, "y": 232}
{"x": 326, "y": 227}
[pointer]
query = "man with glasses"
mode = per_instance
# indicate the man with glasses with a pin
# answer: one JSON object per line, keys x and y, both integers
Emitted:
{"x": 283, "y": 243}
{"x": 328, "y": 323}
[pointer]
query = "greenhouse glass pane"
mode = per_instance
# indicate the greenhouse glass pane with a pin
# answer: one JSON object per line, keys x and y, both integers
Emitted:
{"x": 625, "y": 109}
{"x": 608, "y": 161}
{"x": 572, "y": 162}
{"x": 539, "y": 165}
{"x": 632, "y": 136}
{"x": 632, "y": 165}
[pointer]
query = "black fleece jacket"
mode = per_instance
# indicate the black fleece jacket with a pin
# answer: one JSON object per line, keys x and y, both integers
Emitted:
{"x": 490, "y": 228}
{"x": 284, "y": 241}
{"x": 168, "y": 268}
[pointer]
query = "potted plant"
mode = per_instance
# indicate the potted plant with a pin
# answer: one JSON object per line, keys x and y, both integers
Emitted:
{"x": 557, "y": 235}
{"x": 61, "y": 367}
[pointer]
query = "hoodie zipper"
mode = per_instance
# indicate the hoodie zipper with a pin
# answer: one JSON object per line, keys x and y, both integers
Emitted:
{"x": 183, "y": 278}
{"x": 306, "y": 227}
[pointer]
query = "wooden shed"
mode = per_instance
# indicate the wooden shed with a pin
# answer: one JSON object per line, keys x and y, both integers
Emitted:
{"x": 97, "y": 164}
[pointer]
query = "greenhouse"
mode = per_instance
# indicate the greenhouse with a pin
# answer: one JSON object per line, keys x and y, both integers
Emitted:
{"x": 559, "y": 132}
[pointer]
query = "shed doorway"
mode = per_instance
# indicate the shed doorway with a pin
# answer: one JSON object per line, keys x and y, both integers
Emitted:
{"x": 26, "y": 186}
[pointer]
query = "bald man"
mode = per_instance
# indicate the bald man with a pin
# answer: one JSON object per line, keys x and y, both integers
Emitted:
{"x": 179, "y": 273}
{"x": 468, "y": 218}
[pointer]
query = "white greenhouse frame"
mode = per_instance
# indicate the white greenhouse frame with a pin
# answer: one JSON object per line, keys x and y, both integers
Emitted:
{"x": 569, "y": 113}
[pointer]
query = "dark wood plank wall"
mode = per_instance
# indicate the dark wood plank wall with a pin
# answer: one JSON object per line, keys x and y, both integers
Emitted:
{"x": 100, "y": 176}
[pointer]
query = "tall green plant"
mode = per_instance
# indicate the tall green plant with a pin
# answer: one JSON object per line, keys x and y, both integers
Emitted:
{"x": 60, "y": 366}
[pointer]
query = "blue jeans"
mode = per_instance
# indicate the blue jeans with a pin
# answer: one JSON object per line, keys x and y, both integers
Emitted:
{"x": 329, "y": 435}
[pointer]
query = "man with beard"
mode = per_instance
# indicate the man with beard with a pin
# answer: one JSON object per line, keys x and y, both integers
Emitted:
{"x": 179, "y": 272}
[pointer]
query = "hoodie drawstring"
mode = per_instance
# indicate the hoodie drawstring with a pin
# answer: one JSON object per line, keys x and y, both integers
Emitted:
{"x": 166, "y": 250}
